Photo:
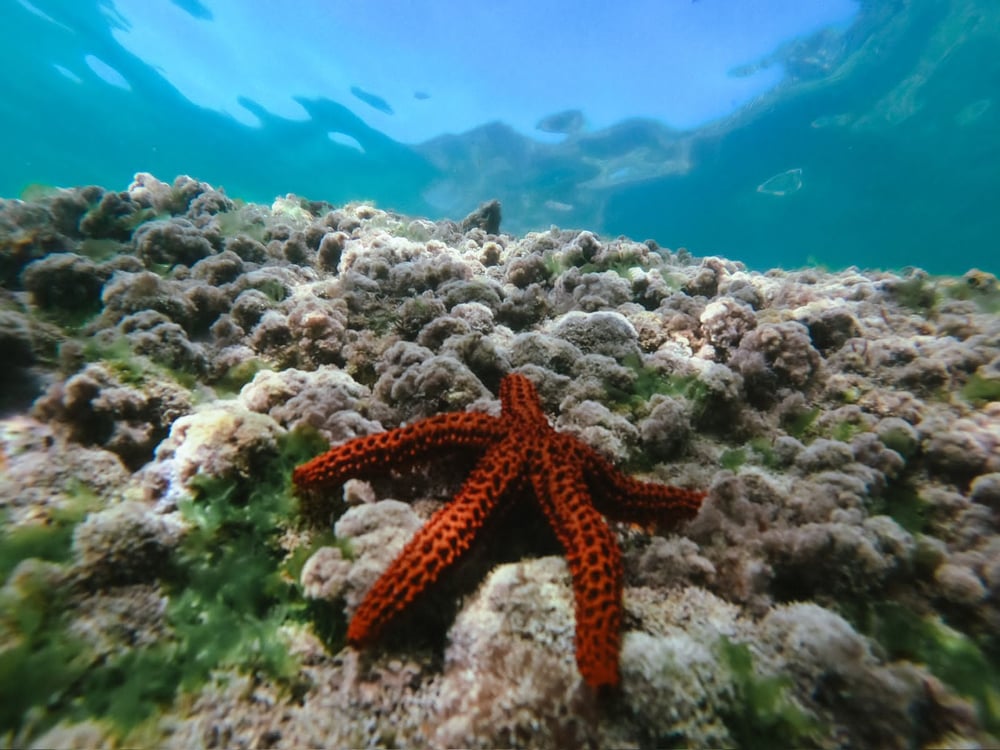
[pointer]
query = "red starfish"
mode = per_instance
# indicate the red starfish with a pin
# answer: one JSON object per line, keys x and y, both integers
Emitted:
{"x": 570, "y": 481}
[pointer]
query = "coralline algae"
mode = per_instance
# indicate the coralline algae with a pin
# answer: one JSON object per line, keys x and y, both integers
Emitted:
{"x": 171, "y": 353}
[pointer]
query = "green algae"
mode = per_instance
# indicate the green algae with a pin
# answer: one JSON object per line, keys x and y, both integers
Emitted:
{"x": 242, "y": 220}
{"x": 763, "y": 714}
{"x": 950, "y": 655}
{"x": 846, "y": 430}
{"x": 39, "y": 660}
{"x": 326, "y": 618}
{"x": 36, "y": 192}
{"x": 758, "y": 450}
{"x": 764, "y": 448}
{"x": 52, "y": 540}
{"x": 798, "y": 424}
{"x": 733, "y": 458}
{"x": 101, "y": 250}
{"x": 41, "y": 664}
{"x": 979, "y": 288}
{"x": 649, "y": 381}
{"x": 623, "y": 268}
{"x": 135, "y": 369}
{"x": 553, "y": 265}
{"x": 902, "y": 502}
{"x": 228, "y": 594}
{"x": 237, "y": 376}
{"x": 979, "y": 390}
{"x": 901, "y": 440}
{"x": 70, "y": 320}
{"x": 118, "y": 357}
{"x": 917, "y": 293}
{"x": 274, "y": 289}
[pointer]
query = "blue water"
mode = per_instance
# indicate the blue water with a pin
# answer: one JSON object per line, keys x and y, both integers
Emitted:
{"x": 776, "y": 132}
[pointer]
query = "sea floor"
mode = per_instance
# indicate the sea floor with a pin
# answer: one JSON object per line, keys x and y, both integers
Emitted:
{"x": 170, "y": 355}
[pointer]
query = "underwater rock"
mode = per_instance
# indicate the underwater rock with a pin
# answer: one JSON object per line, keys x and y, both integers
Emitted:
{"x": 576, "y": 291}
{"x": 839, "y": 557}
{"x": 221, "y": 441}
{"x": 43, "y": 472}
{"x": 509, "y": 676}
{"x": 870, "y": 451}
{"x": 831, "y": 328}
{"x": 669, "y": 563}
{"x": 127, "y": 543}
{"x": 558, "y": 355}
{"x": 721, "y": 402}
{"x": 114, "y": 217}
{"x": 169, "y": 242}
{"x": 776, "y": 356}
{"x": 527, "y": 270}
{"x": 705, "y": 280}
{"x": 331, "y": 248}
{"x": 249, "y": 249}
{"x": 962, "y": 450}
{"x": 324, "y": 576}
{"x": 222, "y": 268}
{"x": 985, "y": 489}
{"x": 16, "y": 342}
{"x": 673, "y": 681}
{"x": 127, "y": 292}
{"x": 316, "y": 333}
{"x": 65, "y": 281}
{"x": 249, "y": 307}
{"x": 486, "y": 217}
{"x": 327, "y": 400}
{"x": 153, "y": 335}
{"x": 817, "y": 647}
{"x": 898, "y": 435}
{"x": 417, "y": 383}
{"x": 837, "y": 587}
{"x": 724, "y": 323}
{"x": 607, "y": 333}
{"x": 79, "y": 735}
{"x": 377, "y": 533}
{"x": 609, "y": 434}
{"x": 184, "y": 195}
{"x": 959, "y": 585}
{"x": 96, "y": 407}
{"x": 824, "y": 454}
{"x": 30, "y": 231}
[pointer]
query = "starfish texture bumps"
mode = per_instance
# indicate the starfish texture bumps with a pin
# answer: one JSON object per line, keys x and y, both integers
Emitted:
{"x": 517, "y": 450}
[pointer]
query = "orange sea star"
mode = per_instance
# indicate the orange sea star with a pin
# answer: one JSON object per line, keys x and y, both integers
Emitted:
{"x": 571, "y": 482}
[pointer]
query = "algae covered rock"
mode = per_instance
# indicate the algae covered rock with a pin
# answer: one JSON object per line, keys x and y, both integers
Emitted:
{"x": 97, "y": 406}
{"x": 164, "y": 585}
{"x": 127, "y": 543}
{"x": 225, "y": 441}
{"x": 509, "y": 676}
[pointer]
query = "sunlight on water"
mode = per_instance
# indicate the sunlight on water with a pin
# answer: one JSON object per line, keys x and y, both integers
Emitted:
{"x": 678, "y": 121}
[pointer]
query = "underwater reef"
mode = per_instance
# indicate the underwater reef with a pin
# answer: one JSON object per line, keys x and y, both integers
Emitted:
{"x": 171, "y": 355}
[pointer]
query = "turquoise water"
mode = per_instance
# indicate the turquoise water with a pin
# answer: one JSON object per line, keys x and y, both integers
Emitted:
{"x": 834, "y": 133}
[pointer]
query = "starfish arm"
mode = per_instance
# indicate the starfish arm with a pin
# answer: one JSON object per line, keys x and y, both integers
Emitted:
{"x": 593, "y": 557}
{"x": 367, "y": 456}
{"x": 520, "y": 404}
{"x": 438, "y": 543}
{"x": 624, "y": 498}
